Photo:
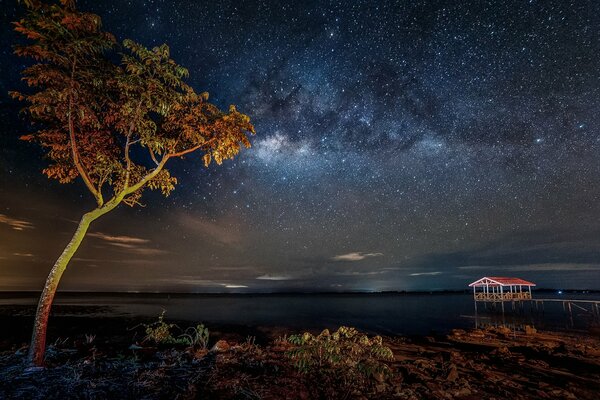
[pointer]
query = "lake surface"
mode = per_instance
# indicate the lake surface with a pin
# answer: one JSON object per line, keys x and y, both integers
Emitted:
{"x": 388, "y": 314}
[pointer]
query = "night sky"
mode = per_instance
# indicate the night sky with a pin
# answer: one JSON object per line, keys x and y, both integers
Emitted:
{"x": 410, "y": 145}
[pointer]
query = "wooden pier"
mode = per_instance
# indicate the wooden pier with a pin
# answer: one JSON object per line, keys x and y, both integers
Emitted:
{"x": 500, "y": 290}
{"x": 589, "y": 306}
{"x": 496, "y": 291}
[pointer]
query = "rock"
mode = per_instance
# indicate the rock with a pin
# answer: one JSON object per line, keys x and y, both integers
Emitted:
{"x": 32, "y": 370}
{"x": 221, "y": 346}
{"x": 477, "y": 333}
{"x": 22, "y": 351}
{"x": 530, "y": 330}
{"x": 198, "y": 354}
{"x": 453, "y": 374}
{"x": 502, "y": 330}
{"x": 502, "y": 351}
{"x": 380, "y": 388}
{"x": 463, "y": 392}
{"x": 379, "y": 377}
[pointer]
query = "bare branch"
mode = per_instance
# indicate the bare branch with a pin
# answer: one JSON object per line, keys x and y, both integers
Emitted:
{"x": 152, "y": 156}
{"x": 191, "y": 150}
{"x": 75, "y": 151}
{"x": 152, "y": 174}
{"x": 127, "y": 160}
{"x": 101, "y": 182}
{"x": 132, "y": 202}
{"x": 131, "y": 189}
{"x": 129, "y": 143}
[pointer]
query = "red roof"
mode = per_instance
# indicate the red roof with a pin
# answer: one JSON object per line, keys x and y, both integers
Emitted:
{"x": 501, "y": 281}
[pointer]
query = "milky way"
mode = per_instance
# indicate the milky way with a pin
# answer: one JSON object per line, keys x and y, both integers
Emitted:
{"x": 400, "y": 146}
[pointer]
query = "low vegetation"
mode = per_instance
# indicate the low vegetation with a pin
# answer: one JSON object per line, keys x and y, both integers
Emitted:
{"x": 160, "y": 360}
{"x": 345, "y": 349}
{"x": 162, "y": 333}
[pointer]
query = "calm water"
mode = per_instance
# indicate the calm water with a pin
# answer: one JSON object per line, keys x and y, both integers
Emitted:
{"x": 378, "y": 313}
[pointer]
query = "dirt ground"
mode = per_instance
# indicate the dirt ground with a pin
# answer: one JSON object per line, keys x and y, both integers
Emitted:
{"x": 254, "y": 363}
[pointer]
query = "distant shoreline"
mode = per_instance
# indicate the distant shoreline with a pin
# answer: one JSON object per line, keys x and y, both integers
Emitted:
{"x": 27, "y": 293}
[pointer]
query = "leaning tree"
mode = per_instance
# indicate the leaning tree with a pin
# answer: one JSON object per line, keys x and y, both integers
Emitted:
{"x": 112, "y": 115}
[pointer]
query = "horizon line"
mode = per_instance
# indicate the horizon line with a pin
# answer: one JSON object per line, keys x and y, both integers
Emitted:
{"x": 466, "y": 290}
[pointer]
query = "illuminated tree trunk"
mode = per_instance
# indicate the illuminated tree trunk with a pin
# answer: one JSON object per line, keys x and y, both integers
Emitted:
{"x": 38, "y": 339}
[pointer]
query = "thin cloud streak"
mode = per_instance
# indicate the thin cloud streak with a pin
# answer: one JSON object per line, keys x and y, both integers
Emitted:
{"x": 118, "y": 240}
{"x": 268, "y": 277}
{"x": 426, "y": 273}
{"x": 15, "y": 224}
{"x": 534, "y": 267}
{"x": 131, "y": 244}
{"x": 22, "y": 254}
{"x": 219, "y": 231}
{"x": 355, "y": 256}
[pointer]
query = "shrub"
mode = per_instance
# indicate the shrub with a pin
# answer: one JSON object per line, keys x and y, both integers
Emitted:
{"x": 160, "y": 332}
{"x": 345, "y": 350}
{"x": 197, "y": 336}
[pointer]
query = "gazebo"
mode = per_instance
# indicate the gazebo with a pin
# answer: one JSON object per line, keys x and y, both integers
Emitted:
{"x": 500, "y": 289}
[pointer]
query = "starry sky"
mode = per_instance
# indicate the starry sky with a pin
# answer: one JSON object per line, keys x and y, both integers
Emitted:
{"x": 408, "y": 145}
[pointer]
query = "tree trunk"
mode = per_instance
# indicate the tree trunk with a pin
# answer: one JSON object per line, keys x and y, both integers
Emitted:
{"x": 38, "y": 339}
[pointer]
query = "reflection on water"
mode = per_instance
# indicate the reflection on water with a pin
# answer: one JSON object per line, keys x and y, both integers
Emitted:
{"x": 378, "y": 313}
{"x": 554, "y": 312}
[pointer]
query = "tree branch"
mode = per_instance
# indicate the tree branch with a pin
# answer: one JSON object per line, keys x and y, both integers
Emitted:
{"x": 75, "y": 152}
{"x": 152, "y": 156}
{"x": 191, "y": 150}
{"x": 131, "y": 189}
{"x": 129, "y": 143}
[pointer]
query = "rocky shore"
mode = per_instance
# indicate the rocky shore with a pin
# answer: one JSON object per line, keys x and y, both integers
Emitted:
{"x": 492, "y": 363}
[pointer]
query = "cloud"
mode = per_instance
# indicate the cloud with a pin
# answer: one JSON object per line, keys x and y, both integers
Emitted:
{"x": 132, "y": 244}
{"x": 358, "y": 273}
{"x": 268, "y": 277}
{"x": 220, "y": 231}
{"x": 199, "y": 282}
{"x": 189, "y": 280}
{"x": 16, "y": 224}
{"x": 426, "y": 273}
{"x": 122, "y": 241}
{"x": 23, "y": 254}
{"x": 355, "y": 256}
{"x": 535, "y": 267}
{"x": 125, "y": 261}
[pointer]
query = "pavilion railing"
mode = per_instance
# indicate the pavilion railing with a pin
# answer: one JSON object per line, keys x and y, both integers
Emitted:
{"x": 482, "y": 296}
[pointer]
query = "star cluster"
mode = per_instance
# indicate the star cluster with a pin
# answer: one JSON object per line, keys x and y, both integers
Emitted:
{"x": 400, "y": 145}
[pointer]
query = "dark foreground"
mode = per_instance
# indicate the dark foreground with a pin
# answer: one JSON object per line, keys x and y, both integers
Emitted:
{"x": 494, "y": 363}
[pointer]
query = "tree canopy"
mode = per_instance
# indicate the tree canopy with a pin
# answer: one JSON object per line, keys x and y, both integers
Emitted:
{"x": 113, "y": 123}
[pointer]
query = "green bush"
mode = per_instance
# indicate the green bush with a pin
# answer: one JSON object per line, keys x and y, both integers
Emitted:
{"x": 197, "y": 336}
{"x": 160, "y": 332}
{"x": 345, "y": 350}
